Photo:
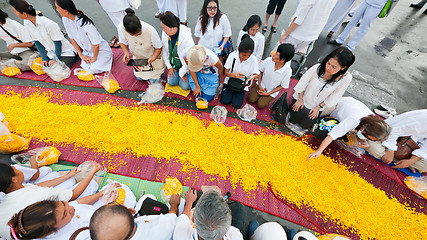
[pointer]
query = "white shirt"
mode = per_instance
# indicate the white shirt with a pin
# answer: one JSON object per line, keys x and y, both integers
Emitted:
{"x": 46, "y": 32}
{"x": 211, "y": 60}
{"x": 348, "y": 112}
{"x": 311, "y": 16}
{"x": 414, "y": 124}
{"x": 248, "y": 67}
{"x": 17, "y": 30}
{"x": 270, "y": 231}
{"x": 155, "y": 227}
{"x": 114, "y": 5}
{"x": 155, "y": 39}
{"x": 81, "y": 218}
{"x": 213, "y": 36}
{"x": 271, "y": 78}
{"x": 311, "y": 84}
{"x": 17, "y": 200}
{"x": 259, "y": 41}
{"x": 184, "y": 230}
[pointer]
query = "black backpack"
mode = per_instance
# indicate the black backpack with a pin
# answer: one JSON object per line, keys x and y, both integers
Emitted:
{"x": 280, "y": 109}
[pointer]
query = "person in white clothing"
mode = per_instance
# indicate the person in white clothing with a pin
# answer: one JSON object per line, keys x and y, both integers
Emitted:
{"x": 94, "y": 51}
{"x": 115, "y": 9}
{"x": 354, "y": 117}
{"x": 112, "y": 222}
{"x": 213, "y": 29}
{"x": 175, "y": 38}
{"x": 177, "y": 7}
{"x": 46, "y": 34}
{"x": 268, "y": 231}
{"x": 275, "y": 75}
{"x": 337, "y": 16}
{"x": 366, "y": 13}
{"x": 144, "y": 42}
{"x": 18, "y": 46}
{"x": 212, "y": 218}
{"x": 412, "y": 124}
{"x": 322, "y": 85}
{"x": 307, "y": 23}
{"x": 252, "y": 28}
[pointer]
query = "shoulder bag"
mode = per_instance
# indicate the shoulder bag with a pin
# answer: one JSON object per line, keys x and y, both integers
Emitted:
{"x": 236, "y": 84}
{"x": 405, "y": 147}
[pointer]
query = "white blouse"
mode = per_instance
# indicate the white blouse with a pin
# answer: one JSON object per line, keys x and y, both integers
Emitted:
{"x": 311, "y": 84}
{"x": 213, "y": 36}
{"x": 17, "y": 30}
{"x": 259, "y": 41}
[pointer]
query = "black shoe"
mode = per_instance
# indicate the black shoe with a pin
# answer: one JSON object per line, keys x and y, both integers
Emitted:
{"x": 415, "y": 5}
{"x": 425, "y": 11}
{"x": 334, "y": 42}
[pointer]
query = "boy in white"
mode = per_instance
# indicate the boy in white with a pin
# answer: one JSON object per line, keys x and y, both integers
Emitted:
{"x": 275, "y": 74}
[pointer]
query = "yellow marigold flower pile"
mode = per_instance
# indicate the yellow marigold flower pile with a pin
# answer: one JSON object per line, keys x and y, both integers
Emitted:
{"x": 250, "y": 160}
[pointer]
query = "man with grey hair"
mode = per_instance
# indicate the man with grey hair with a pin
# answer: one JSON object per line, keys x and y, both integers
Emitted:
{"x": 212, "y": 219}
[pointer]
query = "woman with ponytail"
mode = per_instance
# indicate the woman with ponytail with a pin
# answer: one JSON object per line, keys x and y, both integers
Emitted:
{"x": 45, "y": 33}
{"x": 145, "y": 43}
{"x": 94, "y": 51}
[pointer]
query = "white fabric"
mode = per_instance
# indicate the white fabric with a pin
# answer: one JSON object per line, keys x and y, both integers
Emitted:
{"x": 270, "y": 231}
{"x": 311, "y": 16}
{"x": 185, "y": 40}
{"x": 259, "y": 41}
{"x": 338, "y": 14}
{"x": 299, "y": 45}
{"x": 184, "y": 230}
{"x": 155, "y": 39}
{"x": 81, "y": 218}
{"x": 412, "y": 124}
{"x": 311, "y": 84}
{"x": 161, "y": 5}
{"x": 213, "y": 36}
{"x": 248, "y": 67}
{"x": 305, "y": 235}
{"x": 3, "y": 128}
{"x": 46, "y": 32}
{"x": 17, "y": 30}
{"x": 114, "y": 5}
{"x": 155, "y": 227}
{"x": 376, "y": 3}
{"x": 211, "y": 60}
{"x": 116, "y": 17}
{"x": 272, "y": 79}
{"x": 17, "y": 200}
{"x": 28, "y": 172}
{"x": 177, "y": 7}
{"x": 348, "y": 112}
{"x": 85, "y": 37}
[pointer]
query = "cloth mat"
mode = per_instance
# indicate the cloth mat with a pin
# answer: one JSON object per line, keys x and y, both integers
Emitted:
{"x": 176, "y": 90}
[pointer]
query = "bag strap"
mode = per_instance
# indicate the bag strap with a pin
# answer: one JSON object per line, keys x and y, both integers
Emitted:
{"x": 232, "y": 66}
{"x": 77, "y": 232}
{"x": 10, "y": 35}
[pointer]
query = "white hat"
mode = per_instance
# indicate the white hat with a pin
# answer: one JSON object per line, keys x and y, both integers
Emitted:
{"x": 306, "y": 235}
{"x": 270, "y": 231}
{"x": 196, "y": 57}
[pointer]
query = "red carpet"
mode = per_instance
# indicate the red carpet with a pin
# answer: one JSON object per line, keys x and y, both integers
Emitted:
{"x": 149, "y": 168}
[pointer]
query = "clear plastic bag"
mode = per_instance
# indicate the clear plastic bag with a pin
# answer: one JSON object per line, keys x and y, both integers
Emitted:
{"x": 417, "y": 184}
{"x": 4, "y": 125}
{"x": 9, "y": 67}
{"x": 109, "y": 82}
{"x": 171, "y": 187}
{"x": 85, "y": 168}
{"x": 154, "y": 93}
{"x": 44, "y": 156}
{"x": 247, "y": 113}
{"x": 202, "y": 103}
{"x": 333, "y": 236}
{"x": 219, "y": 114}
{"x": 110, "y": 193}
{"x": 218, "y": 91}
{"x": 34, "y": 62}
{"x": 84, "y": 75}
{"x": 58, "y": 71}
{"x": 12, "y": 143}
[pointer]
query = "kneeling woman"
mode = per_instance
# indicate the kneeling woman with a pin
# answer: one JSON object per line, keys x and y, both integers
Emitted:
{"x": 94, "y": 51}
{"x": 322, "y": 85}
{"x": 145, "y": 43}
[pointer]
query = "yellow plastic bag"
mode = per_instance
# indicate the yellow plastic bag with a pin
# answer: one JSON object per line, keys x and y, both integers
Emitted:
{"x": 84, "y": 75}
{"x": 37, "y": 67}
{"x": 417, "y": 184}
{"x": 11, "y": 143}
{"x": 11, "y": 71}
{"x": 333, "y": 236}
{"x": 171, "y": 187}
{"x": 201, "y": 103}
{"x": 108, "y": 82}
{"x": 47, "y": 156}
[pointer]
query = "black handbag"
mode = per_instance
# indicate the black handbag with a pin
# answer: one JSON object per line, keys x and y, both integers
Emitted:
{"x": 280, "y": 109}
{"x": 236, "y": 84}
{"x": 152, "y": 207}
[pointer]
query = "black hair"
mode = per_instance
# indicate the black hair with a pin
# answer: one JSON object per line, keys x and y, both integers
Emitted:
{"x": 204, "y": 16}
{"x": 6, "y": 175}
{"x": 23, "y": 7}
{"x": 69, "y": 6}
{"x": 252, "y": 21}
{"x": 344, "y": 57}
{"x": 245, "y": 36}
{"x": 106, "y": 212}
{"x": 169, "y": 19}
{"x": 3, "y": 17}
{"x": 247, "y": 45}
{"x": 131, "y": 22}
{"x": 286, "y": 51}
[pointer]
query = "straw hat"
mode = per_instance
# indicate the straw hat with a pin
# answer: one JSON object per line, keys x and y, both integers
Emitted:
{"x": 196, "y": 57}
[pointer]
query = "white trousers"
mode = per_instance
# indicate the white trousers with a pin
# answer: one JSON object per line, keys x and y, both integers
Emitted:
{"x": 338, "y": 14}
{"x": 116, "y": 17}
{"x": 177, "y": 7}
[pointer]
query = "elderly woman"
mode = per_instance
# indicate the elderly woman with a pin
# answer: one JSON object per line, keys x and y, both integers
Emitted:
{"x": 212, "y": 219}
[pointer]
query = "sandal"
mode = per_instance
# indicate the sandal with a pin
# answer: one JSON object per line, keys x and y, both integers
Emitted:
{"x": 273, "y": 29}
{"x": 264, "y": 28}
{"x": 113, "y": 41}
{"x": 330, "y": 34}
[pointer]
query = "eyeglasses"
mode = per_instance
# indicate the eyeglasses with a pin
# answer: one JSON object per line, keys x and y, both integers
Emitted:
{"x": 212, "y": 8}
{"x": 363, "y": 136}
